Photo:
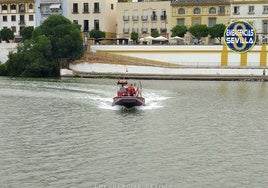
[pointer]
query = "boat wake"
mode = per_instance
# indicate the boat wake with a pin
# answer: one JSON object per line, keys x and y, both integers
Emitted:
{"x": 153, "y": 100}
{"x": 100, "y": 96}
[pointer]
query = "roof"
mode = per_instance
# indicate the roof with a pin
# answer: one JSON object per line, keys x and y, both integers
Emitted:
{"x": 199, "y": 2}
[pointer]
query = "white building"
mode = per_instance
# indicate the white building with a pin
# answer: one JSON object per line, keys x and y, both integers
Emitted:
{"x": 255, "y": 12}
{"x": 45, "y": 8}
{"x": 16, "y": 15}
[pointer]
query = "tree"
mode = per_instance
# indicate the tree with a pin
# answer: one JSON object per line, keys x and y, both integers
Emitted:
{"x": 94, "y": 33}
{"x": 27, "y": 32}
{"x": 6, "y": 34}
{"x": 179, "y": 30}
{"x": 199, "y": 31}
{"x": 65, "y": 37}
{"x": 217, "y": 31}
{"x": 40, "y": 55}
{"x": 134, "y": 36}
{"x": 155, "y": 33}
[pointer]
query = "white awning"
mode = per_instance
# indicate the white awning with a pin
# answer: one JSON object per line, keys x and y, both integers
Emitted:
{"x": 55, "y": 6}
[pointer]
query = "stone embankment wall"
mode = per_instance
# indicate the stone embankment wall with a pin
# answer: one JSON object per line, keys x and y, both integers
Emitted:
{"x": 191, "y": 55}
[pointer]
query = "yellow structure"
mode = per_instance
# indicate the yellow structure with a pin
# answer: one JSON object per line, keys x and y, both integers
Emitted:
{"x": 192, "y": 12}
{"x": 93, "y": 14}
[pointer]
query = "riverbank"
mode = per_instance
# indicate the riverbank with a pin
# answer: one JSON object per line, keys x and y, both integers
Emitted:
{"x": 99, "y": 70}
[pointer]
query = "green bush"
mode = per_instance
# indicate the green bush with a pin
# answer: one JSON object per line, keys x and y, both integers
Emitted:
{"x": 3, "y": 70}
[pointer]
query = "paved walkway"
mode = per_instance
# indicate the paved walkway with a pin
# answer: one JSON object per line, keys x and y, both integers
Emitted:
{"x": 145, "y": 72}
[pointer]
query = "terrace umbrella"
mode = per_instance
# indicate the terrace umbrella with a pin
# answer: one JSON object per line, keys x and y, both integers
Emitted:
{"x": 149, "y": 38}
{"x": 160, "y": 38}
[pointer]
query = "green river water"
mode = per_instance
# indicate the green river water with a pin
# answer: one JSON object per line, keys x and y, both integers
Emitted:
{"x": 65, "y": 133}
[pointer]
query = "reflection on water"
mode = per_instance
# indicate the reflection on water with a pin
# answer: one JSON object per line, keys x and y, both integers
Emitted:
{"x": 65, "y": 133}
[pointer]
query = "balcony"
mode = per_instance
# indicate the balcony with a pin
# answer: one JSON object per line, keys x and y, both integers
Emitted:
{"x": 22, "y": 22}
{"x": 163, "y": 30}
{"x": 85, "y": 11}
{"x": 144, "y": 18}
{"x": 126, "y": 18}
{"x": 55, "y": 11}
{"x": 153, "y": 17}
{"x": 75, "y": 11}
{"x": 96, "y": 10}
{"x": 144, "y": 30}
{"x": 136, "y": 30}
{"x": 163, "y": 17}
{"x": 135, "y": 18}
{"x": 125, "y": 30}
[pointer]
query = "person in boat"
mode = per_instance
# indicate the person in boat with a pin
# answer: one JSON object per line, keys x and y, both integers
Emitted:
{"x": 131, "y": 90}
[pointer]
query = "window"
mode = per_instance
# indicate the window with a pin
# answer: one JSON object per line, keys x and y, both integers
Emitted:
{"x": 22, "y": 20}
{"x": 86, "y": 28}
{"x": 154, "y": 25}
{"x": 265, "y": 9}
{"x": 75, "y": 21}
{"x": 212, "y": 10}
{"x": 163, "y": 14}
{"x": 112, "y": 6}
{"x": 181, "y": 11}
{"x": 265, "y": 27}
{"x": 211, "y": 22}
{"x": 21, "y": 28}
{"x": 75, "y": 8}
{"x": 144, "y": 14}
{"x": 126, "y": 28}
{"x": 163, "y": 28}
{"x": 96, "y": 8}
{"x": 135, "y": 27}
{"x": 97, "y": 24}
{"x": 4, "y": 18}
{"x": 12, "y": 7}
{"x": 14, "y": 29}
{"x": 197, "y": 11}
{"x": 31, "y": 17}
{"x": 21, "y": 8}
{"x": 4, "y": 7}
{"x": 135, "y": 15}
{"x": 180, "y": 22}
{"x": 196, "y": 21}
{"x": 144, "y": 27}
{"x": 125, "y": 17}
{"x": 13, "y": 18}
{"x": 221, "y": 10}
{"x": 154, "y": 17}
{"x": 251, "y": 10}
{"x": 236, "y": 10}
{"x": 85, "y": 9}
{"x": 31, "y": 6}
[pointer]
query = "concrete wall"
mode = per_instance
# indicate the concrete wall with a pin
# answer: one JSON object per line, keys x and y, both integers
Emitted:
{"x": 191, "y": 55}
{"x": 5, "y": 48}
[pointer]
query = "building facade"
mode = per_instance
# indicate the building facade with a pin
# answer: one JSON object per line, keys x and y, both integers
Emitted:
{"x": 255, "y": 12}
{"x": 93, "y": 14}
{"x": 16, "y": 15}
{"x": 45, "y": 8}
{"x": 143, "y": 18}
{"x": 192, "y": 12}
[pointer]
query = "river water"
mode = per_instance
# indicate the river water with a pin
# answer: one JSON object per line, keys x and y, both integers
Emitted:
{"x": 65, "y": 133}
